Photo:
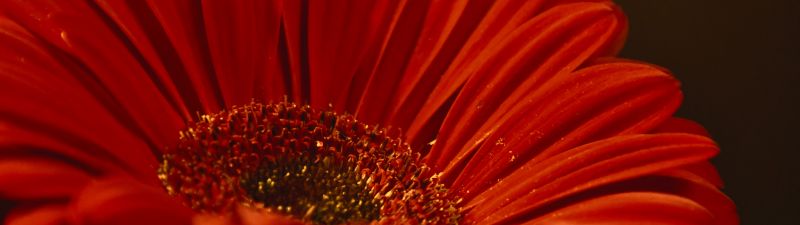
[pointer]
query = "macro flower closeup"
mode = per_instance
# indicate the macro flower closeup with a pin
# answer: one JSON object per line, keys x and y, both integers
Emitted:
{"x": 341, "y": 112}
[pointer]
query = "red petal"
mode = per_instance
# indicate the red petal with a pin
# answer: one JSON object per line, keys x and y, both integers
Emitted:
{"x": 703, "y": 169}
{"x": 182, "y": 24}
{"x": 630, "y": 208}
{"x": 533, "y": 44}
{"x": 50, "y": 214}
{"x": 555, "y": 42}
{"x": 247, "y": 216}
{"x": 36, "y": 178}
{"x": 694, "y": 188}
{"x": 59, "y": 112}
{"x": 447, "y": 45}
{"x": 680, "y": 125}
{"x": 292, "y": 35}
{"x": 325, "y": 30}
{"x": 253, "y": 217}
{"x": 707, "y": 172}
{"x": 721, "y": 209}
{"x": 243, "y": 43}
{"x": 612, "y": 160}
{"x": 189, "y": 86}
{"x": 66, "y": 148}
{"x": 123, "y": 201}
{"x": 105, "y": 62}
{"x": 445, "y": 27}
{"x": 594, "y": 103}
{"x": 344, "y": 37}
{"x": 394, "y": 56}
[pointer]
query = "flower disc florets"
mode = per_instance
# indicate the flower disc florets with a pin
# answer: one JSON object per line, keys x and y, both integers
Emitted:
{"x": 316, "y": 165}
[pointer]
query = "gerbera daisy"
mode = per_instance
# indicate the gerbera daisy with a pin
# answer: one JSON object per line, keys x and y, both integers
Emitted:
{"x": 336, "y": 112}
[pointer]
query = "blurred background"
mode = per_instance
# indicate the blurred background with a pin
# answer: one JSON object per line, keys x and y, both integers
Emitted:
{"x": 739, "y": 62}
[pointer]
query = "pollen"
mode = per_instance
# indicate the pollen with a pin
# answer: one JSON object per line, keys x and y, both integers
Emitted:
{"x": 315, "y": 165}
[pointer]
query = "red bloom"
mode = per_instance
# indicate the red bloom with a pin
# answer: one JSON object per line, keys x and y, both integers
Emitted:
{"x": 496, "y": 112}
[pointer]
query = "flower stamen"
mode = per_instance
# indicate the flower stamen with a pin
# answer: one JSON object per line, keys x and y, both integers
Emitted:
{"x": 315, "y": 165}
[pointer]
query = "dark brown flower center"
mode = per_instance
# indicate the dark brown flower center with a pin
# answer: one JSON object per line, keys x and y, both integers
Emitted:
{"x": 315, "y": 165}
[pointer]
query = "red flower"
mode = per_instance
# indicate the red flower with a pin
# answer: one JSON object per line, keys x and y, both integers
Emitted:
{"x": 518, "y": 109}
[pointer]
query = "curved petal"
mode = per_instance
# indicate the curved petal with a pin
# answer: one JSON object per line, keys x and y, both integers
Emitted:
{"x": 597, "y": 102}
{"x": 35, "y": 123}
{"x": 719, "y": 207}
{"x": 190, "y": 86}
{"x": 555, "y": 42}
{"x": 47, "y": 214}
{"x": 705, "y": 170}
{"x": 681, "y": 125}
{"x": 124, "y": 201}
{"x": 414, "y": 44}
{"x": 447, "y": 47}
{"x": 36, "y": 178}
{"x": 688, "y": 186}
{"x": 534, "y": 185}
{"x": 56, "y": 107}
{"x": 18, "y": 140}
{"x": 104, "y": 62}
{"x": 630, "y": 208}
{"x": 183, "y": 28}
{"x": 448, "y": 25}
{"x": 247, "y": 216}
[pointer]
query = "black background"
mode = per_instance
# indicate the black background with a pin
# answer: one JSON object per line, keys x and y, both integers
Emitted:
{"x": 739, "y": 63}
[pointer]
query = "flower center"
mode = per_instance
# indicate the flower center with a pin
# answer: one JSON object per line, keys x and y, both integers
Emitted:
{"x": 312, "y": 164}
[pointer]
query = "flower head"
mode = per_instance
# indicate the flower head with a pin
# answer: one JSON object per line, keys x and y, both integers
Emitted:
{"x": 328, "y": 112}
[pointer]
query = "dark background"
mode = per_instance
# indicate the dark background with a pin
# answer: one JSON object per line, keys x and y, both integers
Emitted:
{"x": 739, "y": 62}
